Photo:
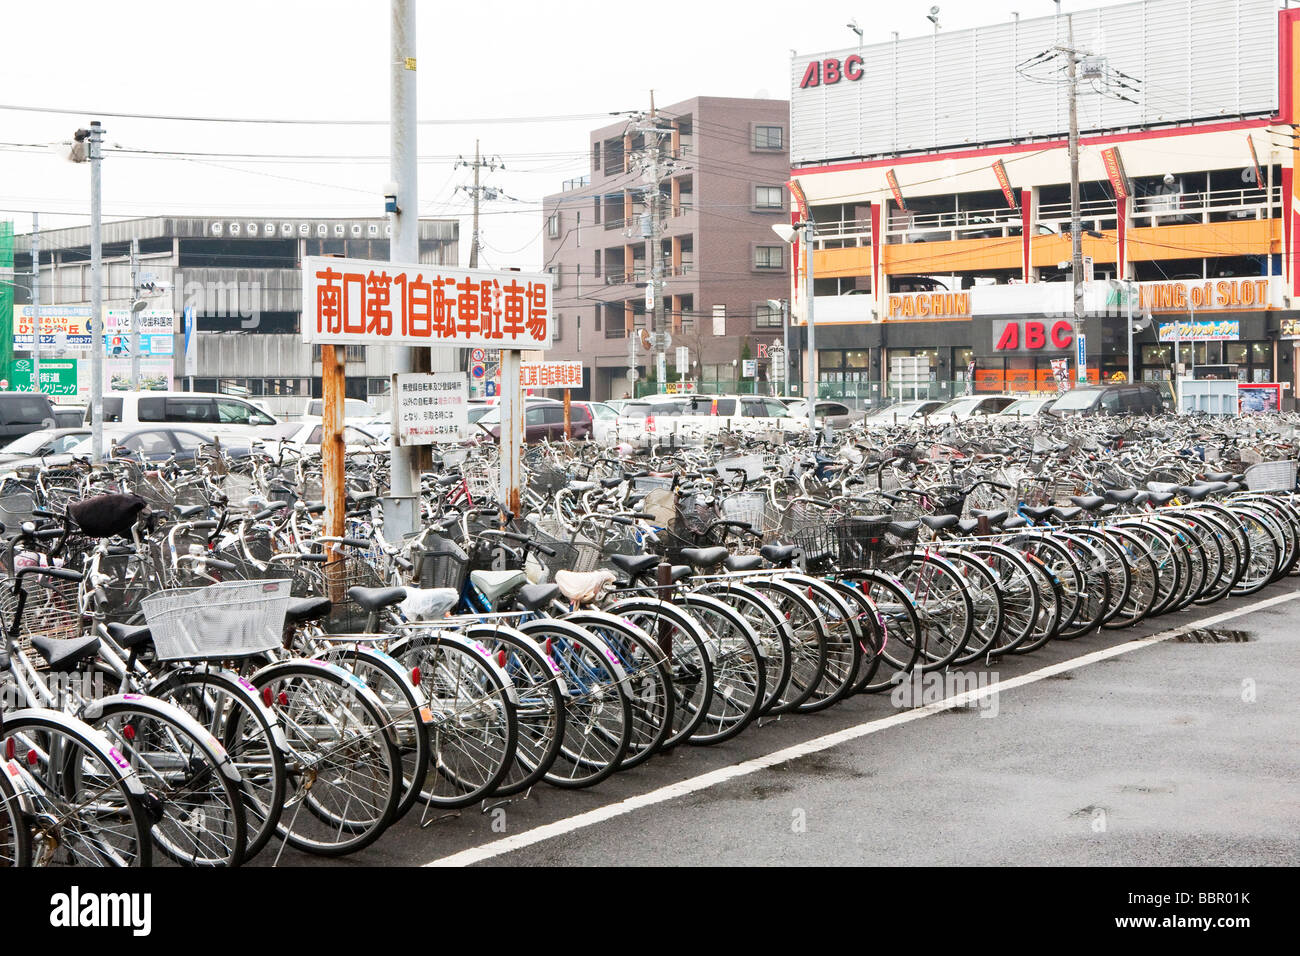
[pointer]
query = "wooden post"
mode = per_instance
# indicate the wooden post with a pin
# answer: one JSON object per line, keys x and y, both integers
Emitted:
{"x": 568, "y": 428}
{"x": 333, "y": 392}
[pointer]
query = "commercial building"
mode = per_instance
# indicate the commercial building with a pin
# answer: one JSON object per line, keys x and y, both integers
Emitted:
{"x": 722, "y": 168}
{"x": 937, "y": 171}
{"x": 243, "y": 279}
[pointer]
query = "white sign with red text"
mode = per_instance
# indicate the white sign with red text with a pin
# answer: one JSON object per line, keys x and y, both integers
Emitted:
{"x": 430, "y": 408}
{"x": 365, "y": 302}
{"x": 550, "y": 375}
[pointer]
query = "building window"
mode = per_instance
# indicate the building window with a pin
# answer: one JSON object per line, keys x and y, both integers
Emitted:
{"x": 559, "y": 328}
{"x": 767, "y": 257}
{"x": 595, "y": 157}
{"x": 768, "y": 197}
{"x": 378, "y": 386}
{"x": 351, "y": 353}
{"x": 768, "y": 137}
{"x": 767, "y": 316}
{"x": 557, "y": 273}
{"x": 553, "y": 225}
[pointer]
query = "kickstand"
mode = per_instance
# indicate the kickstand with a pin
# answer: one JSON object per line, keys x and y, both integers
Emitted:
{"x": 489, "y": 807}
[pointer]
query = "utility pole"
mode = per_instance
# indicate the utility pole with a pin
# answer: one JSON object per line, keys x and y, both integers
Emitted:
{"x": 478, "y": 192}
{"x": 94, "y": 138}
{"x": 135, "y": 315}
{"x": 36, "y": 302}
{"x": 654, "y": 248}
{"x": 404, "y": 247}
{"x": 1076, "y": 218}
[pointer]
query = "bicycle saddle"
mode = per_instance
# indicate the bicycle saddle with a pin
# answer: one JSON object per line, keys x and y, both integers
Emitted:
{"x": 782, "y": 555}
{"x": 940, "y": 522}
{"x": 903, "y": 529}
{"x": 129, "y": 637}
{"x": 1159, "y": 498}
{"x": 995, "y": 517}
{"x": 1218, "y": 476}
{"x": 1067, "y": 514}
{"x": 706, "y": 559}
{"x": 680, "y": 572}
{"x": 968, "y": 525}
{"x": 494, "y": 584}
{"x": 1195, "y": 492}
{"x": 375, "y": 599}
{"x": 308, "y": 609}
{"x": 582, "y": 486}
{"x": 1038, "y": 514}
{"x": 1123, "y": 496}
{"x": 1014, "y": 521}
{"x": 530, "y": 597}
{"x": 189, "y": 511}
{"x": 743, "y": 562}
{"x": 1088, "y": 502}
{"x": 63, "y": 654}
{"x": 634, "y": 565}
{"x": 610, "y": 483}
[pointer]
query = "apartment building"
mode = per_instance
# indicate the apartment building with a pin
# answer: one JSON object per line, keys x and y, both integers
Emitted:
{"x": 723, "y": 166}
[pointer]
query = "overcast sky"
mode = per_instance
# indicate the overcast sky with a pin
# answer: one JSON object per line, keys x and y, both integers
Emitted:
{"x": 477, "y": 61}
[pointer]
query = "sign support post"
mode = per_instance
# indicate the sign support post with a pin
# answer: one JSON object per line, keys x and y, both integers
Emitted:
{"x": 333, "y": 388}
{"x": 512, "y": 430}
{"x": 568, "y": 428}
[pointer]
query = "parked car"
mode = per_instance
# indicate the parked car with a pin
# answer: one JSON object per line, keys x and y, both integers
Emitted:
{"x": 1027, "y": 408}
{"x": 23, "y": 412}
{"x": 69, "y": 416}
{"x": 903, "y": 411}
{"x": 305, "y": 437}
{"x": 640, "y": 420}
{"x": 704, "y": 416}
{"x": 43, "y": 441}
{"x": 154, "y": 443}
{"x": 543, "y": 419}
{"x": 1118, "y": 399}
{"x": 972, "y": 406}
{"x": 223, "y": 416}
{"x": 835, "y": 414}
{"x": 602, "y": 421}
{"x": 353, "y": 408}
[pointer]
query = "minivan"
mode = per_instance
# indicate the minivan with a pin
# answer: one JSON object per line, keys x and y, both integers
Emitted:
{"x": 23, "y": 412}
{"x": 219, "y": 415}
{"x": 1114, "y": 399}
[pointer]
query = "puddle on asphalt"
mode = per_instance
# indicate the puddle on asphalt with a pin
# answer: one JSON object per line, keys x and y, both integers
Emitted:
{"x": 1214, "y": 635}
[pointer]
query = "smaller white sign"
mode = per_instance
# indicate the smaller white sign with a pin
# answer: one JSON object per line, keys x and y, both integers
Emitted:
{"x": 750, "y": 368}
{"x": 683, "y": 359}
{"x": 430, "y": 408}
{"x": 550, "y": 375}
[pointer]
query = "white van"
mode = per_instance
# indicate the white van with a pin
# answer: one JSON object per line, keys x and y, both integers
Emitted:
{"x": 223, "y": 416}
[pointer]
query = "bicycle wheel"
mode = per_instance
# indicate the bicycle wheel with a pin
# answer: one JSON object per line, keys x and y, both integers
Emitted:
{"x": 1050, "y": 603}
{"x": 88, "y": 807}
{"x": 539, "y": 715}
{"x": 686, "y": 642}
{"x": 1016, "y": 590}
{"x": 900, "y": 649}
{"x": 943, "y": 605}
{"x": 870, "y": 630}
{"x": 773, "y": 630}
{"x": 807, "y": 640}
{"x": 472, "y": 725}
{"x": 344, "y": 772}
{"x": 1067, "y": 578}
{"x": 1119, "y": 573}
{"x": 1095, "y": 592}
{"x": 649, "y": 680}
{"x": 1265, "y": 551}
{"x": 1169, "y": 574}
{"x": 1143, "y": 589}
{"x": 187, "y": 769}
{"x": 986, "y": 603}
{"x": 235, "y": 713}
{"x": 739, "y": 672}
{"x": 843, "y": 643}
{"x": 15, "y": 840}
{"x": 401, "y": 699}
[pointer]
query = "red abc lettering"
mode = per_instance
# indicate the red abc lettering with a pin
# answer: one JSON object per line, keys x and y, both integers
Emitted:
{"x": 1034, "y": 337}
{"x": 831, "y": 70}
{"x": 1010, "y": 338}
{"x": 1062, "y": 335}
{"x": 811, "y": 76}
{"x": 853, "y": 67}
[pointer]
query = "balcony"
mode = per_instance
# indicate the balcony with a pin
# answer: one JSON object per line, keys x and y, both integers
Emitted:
{"x": 845, "y": 233}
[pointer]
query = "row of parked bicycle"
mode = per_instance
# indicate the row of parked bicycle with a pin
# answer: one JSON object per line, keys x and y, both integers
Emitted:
{"x": 193, "y": 673}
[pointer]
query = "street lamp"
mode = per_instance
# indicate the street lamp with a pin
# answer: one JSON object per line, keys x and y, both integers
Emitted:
{"x": 853, "y": 25}
{"x": 784, "y": 306}
{"x": 788, "y": 235}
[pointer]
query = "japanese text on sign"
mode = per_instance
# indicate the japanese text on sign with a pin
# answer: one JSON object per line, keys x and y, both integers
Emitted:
{"x": 550, "y": 375}
{"x": 361, "y": 302}
{"x": 430, "y": 408}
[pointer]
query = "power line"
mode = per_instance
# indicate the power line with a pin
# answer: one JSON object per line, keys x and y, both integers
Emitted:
{"x": 285, "y": 121}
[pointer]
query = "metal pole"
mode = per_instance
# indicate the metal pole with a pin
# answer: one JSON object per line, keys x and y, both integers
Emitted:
{"x": 93, "y": 142}
{"x": 512, "y": 429}
{"x": 809, "y": 233}
{"x": 1130, "y": 328}
{"x": 473, "y": 243}
{"x": 135, "y": 316}
{"x": 1076, "y": 217}
{"x": 785, "y": 345}
{"x": 405, "y": 244}
{"x": 36, "y": 303}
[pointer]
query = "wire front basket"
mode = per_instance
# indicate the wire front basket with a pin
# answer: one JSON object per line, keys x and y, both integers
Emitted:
{"x": 228, "y": 620}
{"x": 52, "y": 611}
{"x": 352, "y": 570}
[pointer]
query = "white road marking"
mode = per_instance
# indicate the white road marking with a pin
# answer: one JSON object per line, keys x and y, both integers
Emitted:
{"x": 715, "y": 777}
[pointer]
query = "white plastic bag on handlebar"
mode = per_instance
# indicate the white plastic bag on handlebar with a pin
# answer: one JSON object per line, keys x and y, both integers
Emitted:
{"x": 428, "y": 604}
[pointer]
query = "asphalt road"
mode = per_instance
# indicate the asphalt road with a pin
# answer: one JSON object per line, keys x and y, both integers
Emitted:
{"x": 1104, "y": 750}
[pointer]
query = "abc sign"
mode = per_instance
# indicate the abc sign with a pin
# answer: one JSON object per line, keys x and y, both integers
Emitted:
{"x": 1032, "y": 336}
